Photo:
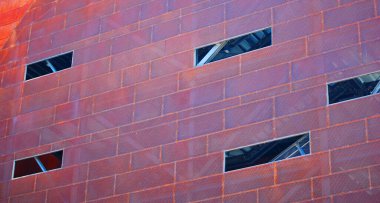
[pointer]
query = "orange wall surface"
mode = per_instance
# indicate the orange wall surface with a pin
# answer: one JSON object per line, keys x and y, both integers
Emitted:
{"x": 138, "y": 123}
{"x": 11, "y": 13}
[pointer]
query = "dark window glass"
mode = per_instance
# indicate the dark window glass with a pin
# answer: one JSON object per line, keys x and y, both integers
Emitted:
{"x": 267, "y": 152}
{"x": 48, "y": 66}
{"x": 354, "y": 88}
{"x": 37, "y": 164}
{"x": 235, "y": 46}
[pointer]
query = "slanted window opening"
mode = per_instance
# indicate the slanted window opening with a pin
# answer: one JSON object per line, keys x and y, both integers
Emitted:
{"x": 37, "y": 164}
{"x": 353, "y": 88}
{"x": 49, "y": 65}
{"x": 234, "y": 46}
{"x": 267, "y": 152}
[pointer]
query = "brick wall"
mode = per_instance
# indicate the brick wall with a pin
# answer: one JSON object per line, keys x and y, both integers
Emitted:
{"x": 137, "y": 122}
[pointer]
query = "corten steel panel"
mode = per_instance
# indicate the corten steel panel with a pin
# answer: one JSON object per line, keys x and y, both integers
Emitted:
{"x": 139, "y": 123}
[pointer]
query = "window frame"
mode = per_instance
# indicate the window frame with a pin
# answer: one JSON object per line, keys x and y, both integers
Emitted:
{"x": 264, "y": 142}
{"x": 47, "y": 58}
{"x": 227, "y": 39}
{"x": 344, "y": 79}
{"x": 40, "y": 154}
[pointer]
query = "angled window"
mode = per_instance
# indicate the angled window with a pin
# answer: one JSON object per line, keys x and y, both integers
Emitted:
{"x": 267, "y": 152}
{"x": 232, "y": 47}
{"x": 38, "y": 164}
{"x": 49, "y": 65}
{"x": 357, "y": 87}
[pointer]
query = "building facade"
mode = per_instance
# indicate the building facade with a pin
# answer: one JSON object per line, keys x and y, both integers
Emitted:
{"x": 145, "y": 111}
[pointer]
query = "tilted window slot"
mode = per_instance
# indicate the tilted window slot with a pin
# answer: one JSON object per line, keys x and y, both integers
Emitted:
{"x": 37, "y": 164}
{"x": 353, "y": 88}
{"x": 50, "y": 65}
{"x": 233, "y": 47}
{"x": 276, "y": 150}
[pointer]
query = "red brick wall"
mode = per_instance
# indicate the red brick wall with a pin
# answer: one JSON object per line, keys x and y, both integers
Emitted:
{"x": 137, "y": 122}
